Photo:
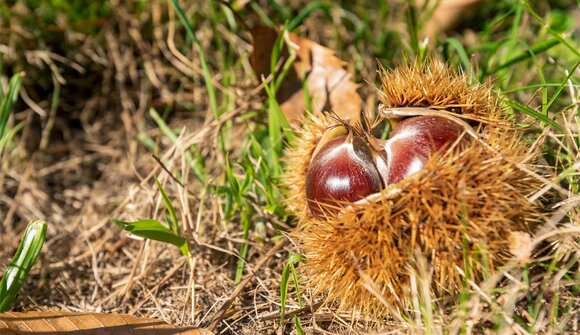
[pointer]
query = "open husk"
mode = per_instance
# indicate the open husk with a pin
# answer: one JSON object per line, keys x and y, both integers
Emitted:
{"x": 457, "y": 212}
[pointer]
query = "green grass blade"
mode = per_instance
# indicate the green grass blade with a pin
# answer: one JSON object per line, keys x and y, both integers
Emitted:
{"x": 245, "y": 217}
{"x": 536, "y": 86}
{"x": 264, "y": 18}
{"x": 167, "y": 131}
{"x": 153, "y": 230}
{"x": 298, "y": 324}
{"x": 284, "y": 281}
{"x": 537, "y": 115}
{"x": 536, "y": 49}
{"x": 304, "y": 13}
{"x": 289, "y": 269}
{"x": 512, "y": 33}
{"x": 277, "y": 122}
{"x": 173, "y": 224}
{"x": 277, "y": 51}
{"x": 555, "y": 34}
{"x": 413, "y": 27}
{"x": 285, "y": 70}
{"x": 211, "y": 93}
{"x": 233, "y": 182}
{"x": 296, "y": 283}
{"x": 455, "y": 44}
{"x": 9, "y": 134}
{"x": 193, "y": 158}
{"x": 562, "y": 86}
{"x": 22, "y": 262}
{"x": 6, "y": 104}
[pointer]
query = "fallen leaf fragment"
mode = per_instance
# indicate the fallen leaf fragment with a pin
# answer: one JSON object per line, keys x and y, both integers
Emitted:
{"x": 521, "y": 246}
{"x": 89, "y": 324}
{"x": 329, "y": 84}
{"x": 447, "y": 15}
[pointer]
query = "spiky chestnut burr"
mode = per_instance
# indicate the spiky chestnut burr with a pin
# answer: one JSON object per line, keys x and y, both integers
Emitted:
{"x": 459, "y": 209}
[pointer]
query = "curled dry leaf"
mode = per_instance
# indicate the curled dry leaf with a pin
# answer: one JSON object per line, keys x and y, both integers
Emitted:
{"x": 88, "y": 323}
{"x": 329, "y": 84}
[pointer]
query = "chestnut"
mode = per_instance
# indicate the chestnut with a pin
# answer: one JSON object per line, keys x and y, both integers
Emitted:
{"x": 414, "y": 140}
{"x": 341, "y": 171}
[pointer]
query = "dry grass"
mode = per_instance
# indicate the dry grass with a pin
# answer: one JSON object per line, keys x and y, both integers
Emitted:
{"x": 85, "y": 155}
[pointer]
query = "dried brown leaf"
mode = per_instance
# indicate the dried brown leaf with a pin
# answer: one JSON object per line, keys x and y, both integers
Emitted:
{"x": 329, "y": 84}
{"x": 88, "y": 323}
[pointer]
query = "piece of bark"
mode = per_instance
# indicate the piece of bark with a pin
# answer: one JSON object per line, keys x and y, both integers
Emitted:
{"x": 88, "y": 324}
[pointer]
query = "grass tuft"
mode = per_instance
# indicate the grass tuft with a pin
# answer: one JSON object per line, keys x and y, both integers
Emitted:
{"x": 22, "y": 261}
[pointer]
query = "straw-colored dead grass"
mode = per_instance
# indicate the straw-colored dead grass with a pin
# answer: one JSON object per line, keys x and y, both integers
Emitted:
{"x": 94, "y": 164}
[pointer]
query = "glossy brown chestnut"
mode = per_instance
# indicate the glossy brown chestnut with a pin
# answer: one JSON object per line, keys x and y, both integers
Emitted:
{"x": 414, "y": 140}
{"x": 342, "y": 170}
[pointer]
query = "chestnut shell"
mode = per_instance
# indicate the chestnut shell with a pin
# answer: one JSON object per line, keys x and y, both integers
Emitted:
{"x": 416, "y": 139}
{"x": 342, "y": 171}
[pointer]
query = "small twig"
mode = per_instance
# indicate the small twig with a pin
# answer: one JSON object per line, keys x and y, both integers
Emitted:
{"x": 223, "y": 309}
{"x": 129, "y": 284}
